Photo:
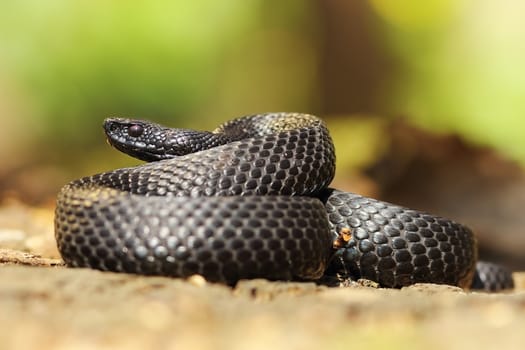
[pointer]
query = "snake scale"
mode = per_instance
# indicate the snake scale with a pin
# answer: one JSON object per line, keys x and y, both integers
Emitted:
{"x": 251, "y": 200}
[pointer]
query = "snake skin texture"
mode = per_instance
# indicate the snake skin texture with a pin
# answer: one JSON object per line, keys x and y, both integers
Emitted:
{"x": 248, "y": 200}
{"x": 396, "y": 246}
{"x": 139, "y": 219}
{"x": 262, "y": 239}
{"x": 491, "y": 277}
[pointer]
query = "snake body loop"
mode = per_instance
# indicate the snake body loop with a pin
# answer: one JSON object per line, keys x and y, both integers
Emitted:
{"x": 248, "y": 200}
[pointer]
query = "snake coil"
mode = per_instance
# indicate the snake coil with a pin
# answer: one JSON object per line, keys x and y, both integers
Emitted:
{"x": 250, "y": 199}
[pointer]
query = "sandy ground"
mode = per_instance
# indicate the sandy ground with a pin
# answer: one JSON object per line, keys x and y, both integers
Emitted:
{"x": 44, "y": 305}
{"x": 47, "y": 306}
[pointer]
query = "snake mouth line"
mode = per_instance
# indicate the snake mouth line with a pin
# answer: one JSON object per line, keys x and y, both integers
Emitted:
{"x": 137, "y": 152}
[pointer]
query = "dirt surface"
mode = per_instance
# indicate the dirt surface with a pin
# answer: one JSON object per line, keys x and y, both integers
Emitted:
{"x": 44, "y": 305}
{"x": 47, "y": 306}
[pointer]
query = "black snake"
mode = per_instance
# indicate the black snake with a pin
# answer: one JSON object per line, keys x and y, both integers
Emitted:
{"x": 248, "y": 200}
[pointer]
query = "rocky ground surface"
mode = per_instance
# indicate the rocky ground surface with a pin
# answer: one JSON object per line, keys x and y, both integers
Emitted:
{"x": 44, "y": 305}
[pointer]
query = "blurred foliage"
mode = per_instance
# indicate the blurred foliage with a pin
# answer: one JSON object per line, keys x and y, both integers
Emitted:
{"x": 410, "y": 14}
{"x": 66, "y": 65}
{"x": 460, "y": 67}
{"x": 71, "y": 64}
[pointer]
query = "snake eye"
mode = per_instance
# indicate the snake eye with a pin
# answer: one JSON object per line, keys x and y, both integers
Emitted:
{"x": 135, "y": 130}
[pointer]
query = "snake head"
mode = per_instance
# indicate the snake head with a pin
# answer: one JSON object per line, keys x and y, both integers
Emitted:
{"x": 149, "y": 141}
{"x": 138, "y": 138}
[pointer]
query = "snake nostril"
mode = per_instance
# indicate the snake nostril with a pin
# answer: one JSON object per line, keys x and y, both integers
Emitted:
{"x": 135, "y": 130}
{"x": 109, "y": 126}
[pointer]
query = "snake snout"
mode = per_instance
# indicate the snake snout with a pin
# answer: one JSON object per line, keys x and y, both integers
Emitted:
{"x": 112, "y": 125}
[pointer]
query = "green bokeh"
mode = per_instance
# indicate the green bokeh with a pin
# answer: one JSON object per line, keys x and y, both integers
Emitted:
{"x": 74, "y": 63}
{"x": 66, "y": 65}
{"x": 463, "y": 73}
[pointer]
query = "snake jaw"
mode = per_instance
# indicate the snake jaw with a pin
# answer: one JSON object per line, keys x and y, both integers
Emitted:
{"x": 135, "y": 152}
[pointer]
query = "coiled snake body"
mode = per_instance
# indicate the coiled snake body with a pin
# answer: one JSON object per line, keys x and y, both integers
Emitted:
{"x": 249, "y": 200}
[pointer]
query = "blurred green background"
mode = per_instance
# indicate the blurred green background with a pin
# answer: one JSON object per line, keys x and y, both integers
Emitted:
{"x": 446, "y": 66}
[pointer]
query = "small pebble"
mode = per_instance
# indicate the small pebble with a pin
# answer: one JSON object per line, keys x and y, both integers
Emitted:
{"x": 197, "y": 280}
